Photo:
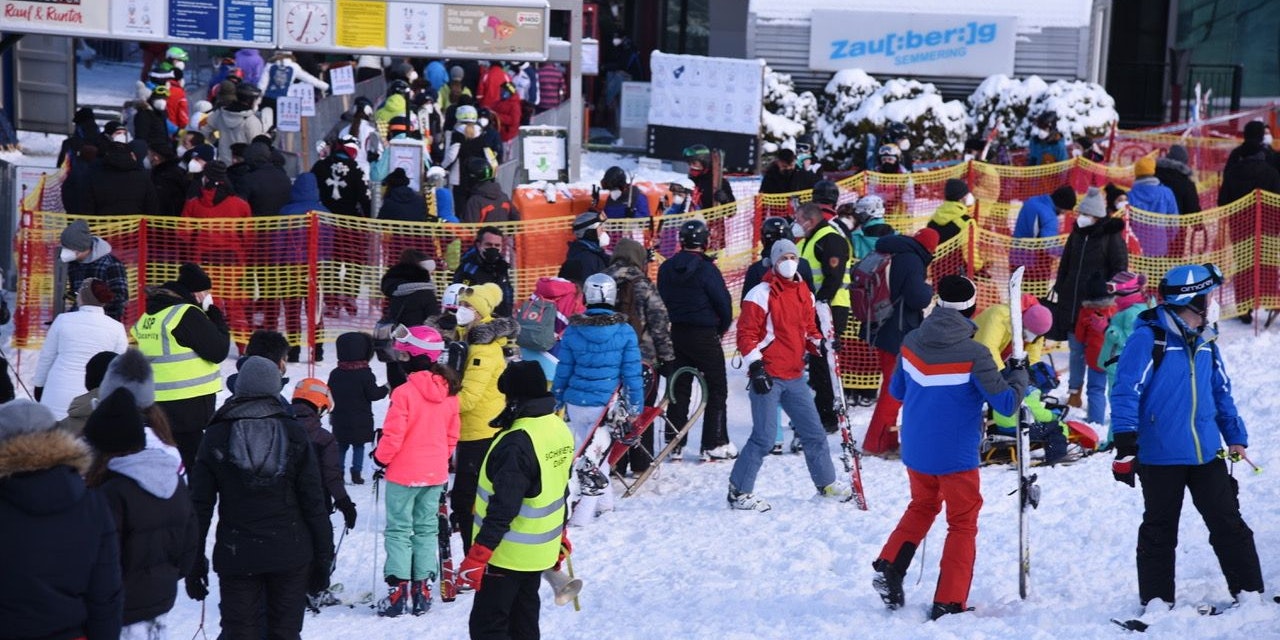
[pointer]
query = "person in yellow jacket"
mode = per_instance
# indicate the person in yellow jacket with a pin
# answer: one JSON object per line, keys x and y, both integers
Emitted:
{"x": 480, "y": 401}
{"x": 954, "y": 217}
{"x": 521, "y": 511}
{"x": 824, "y": 245}
{"x": 185, "y": 337}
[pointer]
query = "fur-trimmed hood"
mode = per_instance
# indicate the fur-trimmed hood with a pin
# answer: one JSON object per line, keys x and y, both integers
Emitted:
{"x": 491, "y": 331}
{"x": 40, "y": 473}
{"x": 1174, "y": 165}
{"x": 601, "y": 318}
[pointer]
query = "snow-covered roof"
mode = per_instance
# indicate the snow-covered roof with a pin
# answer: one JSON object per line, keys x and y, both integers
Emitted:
{"x": 1031, "y": 15}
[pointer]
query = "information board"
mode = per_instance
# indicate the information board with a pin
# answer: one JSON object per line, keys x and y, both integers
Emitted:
{"x": 699, "y": 92}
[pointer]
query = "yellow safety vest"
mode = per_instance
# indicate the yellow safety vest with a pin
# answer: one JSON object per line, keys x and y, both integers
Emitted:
{"x": 533, "y": 542}
{"x": 178, "y": 371}
{"x": 809, "y": 253}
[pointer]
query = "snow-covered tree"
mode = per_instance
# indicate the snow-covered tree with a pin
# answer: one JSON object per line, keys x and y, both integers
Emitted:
{"x": 937, "y": 127}
{"x": 1003, "y": 103}
{"x": 836, "y": 133}
{"x": 1084, "y": 109}
{"x": 787, "y": 115}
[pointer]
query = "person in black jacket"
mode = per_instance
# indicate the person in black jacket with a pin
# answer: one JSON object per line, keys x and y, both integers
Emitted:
{"x": 911, "y": 293}
{"x": 1172, "y": 171}
{"x": 311, "y": 400}
{"x": 354, "y": 391}
{"x": 705, "y": 194}
{"x": 343, "y": 186}
{"x": 118, "y": 185}
{"x": 1252, "y": 169}
{"x": 150, "y": 122}
{"x": 170, "y": 180}
{"x": 411, "y": 299}
{"x": 77, "y": 194}
{"x": 782, "y": 175}
{"x": 586, "y": 255}
{"x": 151, "y": 506}
{"x": 266, "y": 186}
{"x": 487, "y": 202}
{"x": 1257, "y": 137}
{"x": 58, "y": 545}
{"x": 701, "y": 311}
{"x": 401, "y": 202}
{"x": 274, "y": 543}
{"x": 483, "y": 263}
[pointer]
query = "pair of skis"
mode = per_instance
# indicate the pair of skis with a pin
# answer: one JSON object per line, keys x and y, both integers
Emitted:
{"x": 849, "y": 454}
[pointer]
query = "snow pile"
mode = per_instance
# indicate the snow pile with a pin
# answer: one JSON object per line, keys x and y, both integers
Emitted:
{"x": 842, "y": 96}
{"x": 1010, "y": 105}
{"x": 937, "y": 128}
{"x": 787, "y": 115}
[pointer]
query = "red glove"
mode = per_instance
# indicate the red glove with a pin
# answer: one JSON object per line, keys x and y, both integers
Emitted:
{"x": 1124, "y": 470}
{"x": 813, "y": 346}
{"x": 471, "y": 573}
{"x": 566, "y": 549}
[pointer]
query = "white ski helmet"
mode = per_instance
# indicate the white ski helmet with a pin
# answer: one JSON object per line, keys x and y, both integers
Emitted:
{"x": 600, "y": 289}
{"x": 868, "y": 207}
{"x": 450, "y": 298}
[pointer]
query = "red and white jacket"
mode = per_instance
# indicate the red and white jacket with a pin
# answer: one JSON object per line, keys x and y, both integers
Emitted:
{"x": 778, "y": 325}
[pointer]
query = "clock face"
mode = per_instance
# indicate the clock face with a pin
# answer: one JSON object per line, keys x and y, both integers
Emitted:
{"x": 307, "y": 22}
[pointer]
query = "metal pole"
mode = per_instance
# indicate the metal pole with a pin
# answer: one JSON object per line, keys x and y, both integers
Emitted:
{"x": 575, "y": 91}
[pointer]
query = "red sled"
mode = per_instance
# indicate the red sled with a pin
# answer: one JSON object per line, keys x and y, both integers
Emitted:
{"x": 1083, "y": 434}
{"x": 638, "y": 427}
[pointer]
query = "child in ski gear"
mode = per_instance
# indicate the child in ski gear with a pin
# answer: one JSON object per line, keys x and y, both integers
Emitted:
{"x": 58, "y": 541}
{"x": 311, "y": 400}
{"x": 274, "y": 541}
{"x": 566, "y": 298}
{"x": 418, "y": 438}
{"x": 942, "y": 378}
{"x": 479, "y": 401}
{"x": 1128, "y": 288}
{"x": 354, "y": 390}
{"x": 1047, "y": 145}
{"x": 1091, "y": 328}
{"x": 1171, "y": 372}
{"x": 599, "y": 352}
{"x": 151, "y": 507}
{"x": 869, "y": 212}
{"x": 954, "y": 218}
{"x": 520, "y": 516}
{"x": 775, "y": 332}
{"x": 82, "y": 405}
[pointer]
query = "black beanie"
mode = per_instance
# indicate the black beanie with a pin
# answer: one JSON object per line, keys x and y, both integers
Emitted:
{"x": 96, "y": 369}
{"x": 115, "y": 426}
{"x": 523, "y": 380}
{"x": 397, "y": 178}
{"x": 1064, "y": 198}
{"x": 1254, "y": 131}
{"x": 955, "y": 190}
{"x": 957, "y": 292}
{"x": 191, "y": 276}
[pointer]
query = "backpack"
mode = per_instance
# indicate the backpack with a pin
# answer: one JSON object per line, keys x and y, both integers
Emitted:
{"x": 869, "y": 296}
{"x": 537, "y": 319}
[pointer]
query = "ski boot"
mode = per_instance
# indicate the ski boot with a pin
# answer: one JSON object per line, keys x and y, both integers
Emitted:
{"x": 745, "y": 501}
{"x": 397, "y": 600}
{"x": 726, "y": 451}
{"x": 421, "y": 591}
{"x": 888, "y": 583}
{"x": 946, "y": 608}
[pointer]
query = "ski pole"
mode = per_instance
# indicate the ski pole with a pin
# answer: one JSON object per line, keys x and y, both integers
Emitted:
{"x": 374, "y": 522}
{"x": 1234, "y": 457}
{"x": 200, "y": 629}
{"x": 568, "y": 562}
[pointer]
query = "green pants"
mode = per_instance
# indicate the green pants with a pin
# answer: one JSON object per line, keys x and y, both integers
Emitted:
{"x": 411, "y": 532}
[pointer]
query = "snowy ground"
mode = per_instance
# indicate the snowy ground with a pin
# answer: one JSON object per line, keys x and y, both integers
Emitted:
{"x": 673, "y": 562}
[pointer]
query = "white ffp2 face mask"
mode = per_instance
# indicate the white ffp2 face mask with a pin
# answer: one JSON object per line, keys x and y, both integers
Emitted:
{"x": 603, "y": 237}
{"x": 615, "y": 194}
{"x": 904, "y": 144}
{"x": 797, "y": 230}
{"x": 788, "y": 268}
{"x": 1085, "y": 221}
{"x": 968, "y": 200}
{"x": 67, "y": 255}
{"x": 466, "y": 315}
{"x": 429, "y": 265}
{"x": 1213, "y": 313}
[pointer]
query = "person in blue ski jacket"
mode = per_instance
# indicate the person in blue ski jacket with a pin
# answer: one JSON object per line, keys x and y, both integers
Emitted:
{"x": 1171, "y": 412}
{"x": 1039, "y": 218}
{"x": 1147, "y": 194}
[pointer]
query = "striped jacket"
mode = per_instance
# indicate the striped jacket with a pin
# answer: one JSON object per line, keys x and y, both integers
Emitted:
{"x": 777, "y": 323}
{"x": 943, "y": 377}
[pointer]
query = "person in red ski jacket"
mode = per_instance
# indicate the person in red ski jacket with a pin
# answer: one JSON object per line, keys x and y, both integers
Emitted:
{"x": 775, "y": 331}
{"x": 216, "y": 200}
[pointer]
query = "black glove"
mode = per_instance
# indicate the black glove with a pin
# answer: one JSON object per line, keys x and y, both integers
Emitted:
{"x": 197, "y": 581}
{"x": 1016, "y": 375}
{"x": 38, "y": 393}
{"x": 216, "y": 317}
{"x": 723, "y": 197}
{"x": 379, "y": 471}
{"x": 1125, "y": 467}
{"x": 758, "y": 381}
{"x": 665, "y": 368}
{"x": 447, "y": 322}
{"x": 319, "y": 580}
{"x": 372, "y": 156}
{"x": 348, "y": 509}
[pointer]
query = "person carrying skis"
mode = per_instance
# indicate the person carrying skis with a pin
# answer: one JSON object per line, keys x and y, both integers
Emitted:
{"x": 599, "y": 352}
{"x": 942, "y": 377}
{"x": 418, "y": 437}
{"x": 520, "y": 513}
{"x": 1170, "y": 374}
{"x": 775, "y": 332}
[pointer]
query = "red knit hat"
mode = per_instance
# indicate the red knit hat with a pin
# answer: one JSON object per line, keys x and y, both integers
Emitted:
{"x": 928, "y": 238}
{"x": 95, "y": 292}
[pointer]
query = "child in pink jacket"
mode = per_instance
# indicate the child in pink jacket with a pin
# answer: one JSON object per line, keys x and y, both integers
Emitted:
{"x": 418, "y": 437}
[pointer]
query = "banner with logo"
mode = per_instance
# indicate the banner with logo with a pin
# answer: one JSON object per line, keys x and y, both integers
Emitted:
{"x": 905, "y": 44}
{"x": 71, "y": 17}
{"x": 713, "y": 94}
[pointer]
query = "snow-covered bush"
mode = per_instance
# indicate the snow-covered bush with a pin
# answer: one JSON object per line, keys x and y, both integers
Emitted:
{"x": 937, "y": 127}
{"x": 1004, "y": 103}
{"x": 787, "y": 115}
{"x": 1083, "y": 108}
{"x": 842, "y": 96}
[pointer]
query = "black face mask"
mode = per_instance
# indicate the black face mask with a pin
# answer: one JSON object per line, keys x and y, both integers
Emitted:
{"x": 491, "y": 255}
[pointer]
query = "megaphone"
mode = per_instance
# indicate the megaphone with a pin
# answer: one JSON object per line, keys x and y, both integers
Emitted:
{"x": 564, "y": 586}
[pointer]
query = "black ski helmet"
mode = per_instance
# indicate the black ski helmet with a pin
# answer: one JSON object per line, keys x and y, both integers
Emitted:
{"x": 479, "y": 169}
{"x": 826, "y": 192}
{"x": 247, "y": 93}
{"x": 694, "y": 234}
{"x": 398, "y": 87}
{"x": 614, "y": 178}
{"x": 896, "y": 131}
{"x": 774, "y": 229}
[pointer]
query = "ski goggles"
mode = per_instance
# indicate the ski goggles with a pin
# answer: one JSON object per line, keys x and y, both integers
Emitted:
{"x": 401, "y": 334}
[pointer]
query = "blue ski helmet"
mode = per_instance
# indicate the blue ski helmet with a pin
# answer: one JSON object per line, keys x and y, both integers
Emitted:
{"x": 1181, "y": 285}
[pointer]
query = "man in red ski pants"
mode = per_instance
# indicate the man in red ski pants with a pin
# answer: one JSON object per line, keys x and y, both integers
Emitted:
{"x": 943, "y": 376}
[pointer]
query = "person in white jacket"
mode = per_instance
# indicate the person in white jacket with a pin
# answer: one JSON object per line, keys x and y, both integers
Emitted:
{"x": 298, "y": 74}
{"x": 74, "y": 338}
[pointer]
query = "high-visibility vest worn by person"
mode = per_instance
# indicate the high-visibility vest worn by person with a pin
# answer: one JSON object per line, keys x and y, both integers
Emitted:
{"x": 179, "y": 372}
{"x": 533, "y": 542}
{"x": 808, "y": 252}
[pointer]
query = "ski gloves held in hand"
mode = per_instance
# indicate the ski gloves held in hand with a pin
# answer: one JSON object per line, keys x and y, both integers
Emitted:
{"x": 471, "y": 572}
{"x": 566, "y": 549}
{"x": 1015, "y": 373}
{"x": 348, "y": 509}
{"x": 758, "y": 380}
{"x": 197, "y": 581}
{"x": 1125, "y": 467}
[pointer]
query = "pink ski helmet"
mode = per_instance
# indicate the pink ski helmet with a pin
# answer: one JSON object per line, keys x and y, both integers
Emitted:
{"x": 418, "y": 341}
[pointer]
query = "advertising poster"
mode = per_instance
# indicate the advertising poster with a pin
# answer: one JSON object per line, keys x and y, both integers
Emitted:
{"x": 288, "y": 114}
{"x": 306, "y": 96}
{"x": 698, "y": 92}
{"x": 904, "y": 44}
{"x": 342, "y": 80}
{"x": 140, "y": 18}
{"x": 493, "y": 30}
{"x": 194, "y": 19}
{"x": 361, "y": 24}
{"x": 249, "y": 21}
{"x": 413, "y": 27}
{"x": 73, "y": 17}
